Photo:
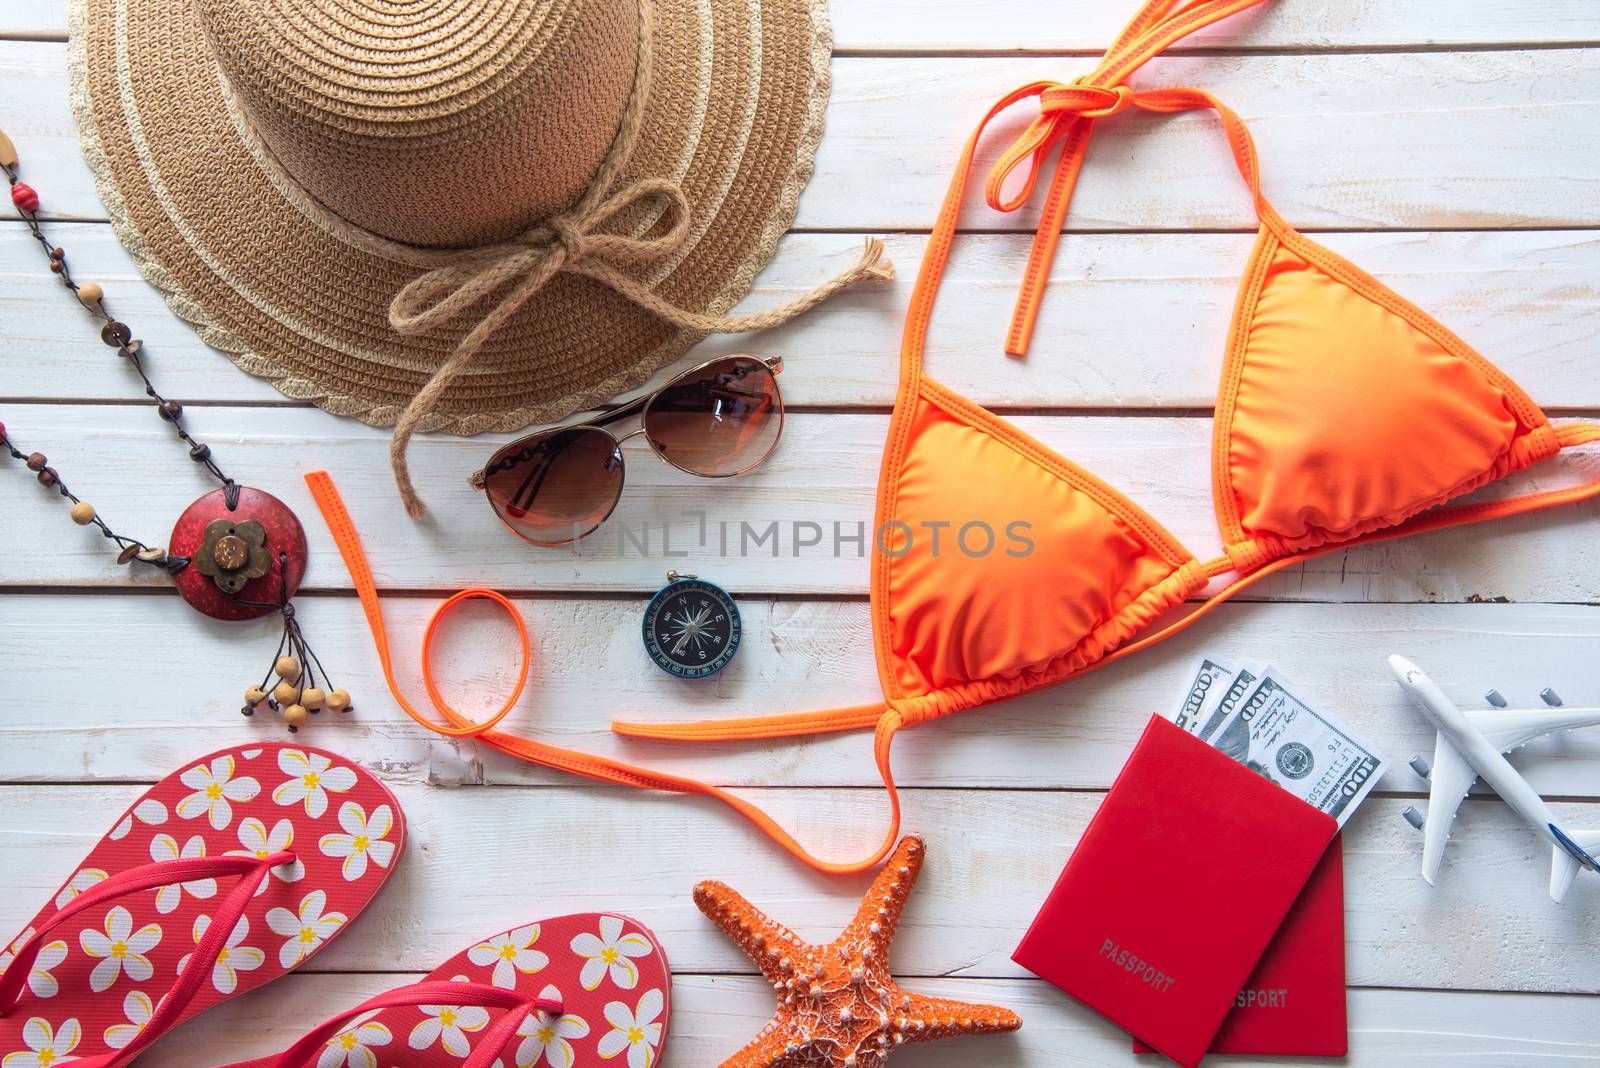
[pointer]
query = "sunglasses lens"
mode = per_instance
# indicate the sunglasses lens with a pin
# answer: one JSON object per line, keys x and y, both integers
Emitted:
{"x": 557, "y": 487}
{"x": 721, "y": 419}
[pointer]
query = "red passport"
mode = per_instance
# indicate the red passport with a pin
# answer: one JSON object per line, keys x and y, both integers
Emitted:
{"x": 1293, "y": 1004}
{"x": 1181, "y": 880}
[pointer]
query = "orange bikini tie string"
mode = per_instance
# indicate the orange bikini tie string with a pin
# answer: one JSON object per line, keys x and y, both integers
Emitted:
{"x": 593, "y": 767}
{"x": 1068, "y": 112}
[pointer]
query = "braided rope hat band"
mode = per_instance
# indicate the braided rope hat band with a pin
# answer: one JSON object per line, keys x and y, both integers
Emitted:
{"x": 454, "y": 217}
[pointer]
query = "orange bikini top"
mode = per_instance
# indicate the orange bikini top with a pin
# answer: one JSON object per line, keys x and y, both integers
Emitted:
{"x": 1346, "y": 415}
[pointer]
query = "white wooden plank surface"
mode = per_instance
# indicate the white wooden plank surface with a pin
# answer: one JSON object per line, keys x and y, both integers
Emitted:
{"x": 825, "y": 473}
{"x": 589, "y": 667}
{"x": 1444, "y": 140}
{"x": 991, "y": 862}
{"x": 1486, "y": 158}
{"x": 712, "y": 1016}
{"x": 1529, "y": 300}
{"x": 1037, "y": 25}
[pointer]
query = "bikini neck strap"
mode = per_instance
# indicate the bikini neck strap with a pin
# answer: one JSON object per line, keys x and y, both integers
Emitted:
{"x": 1068, "y": 113}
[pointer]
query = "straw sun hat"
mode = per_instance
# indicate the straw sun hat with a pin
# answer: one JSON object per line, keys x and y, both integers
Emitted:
{"x": 456, "y": 215}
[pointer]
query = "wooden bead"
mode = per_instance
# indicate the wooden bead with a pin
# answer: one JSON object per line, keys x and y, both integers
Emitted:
{"x": 152, "y": 554}
{"x": 286, "y": 693}
{"x": 313, "y": 697}
{"x": 58, "y": 253}
{"x": 23, "y": 196}
{"x": 37, "y": 462}
{"x": 82, "y": 513}
{"x": 170, "y": 410}
{"x": 338, "y": 700}
{"x": 56, "y": 266}
{"x": 127, "y": 554}
{"x": 254, "y": 696}
{"x": 91, "y": 294}
{"x": 231, "y": 553}
{"x": 287, "y": 667}
{"x": 295, "y": 716}
{"x": 8, "y": 151}
{"x": 48, "y": 477}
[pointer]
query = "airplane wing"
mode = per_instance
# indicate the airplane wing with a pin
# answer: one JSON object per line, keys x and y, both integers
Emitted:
{"x": 1508, "y": 728}
{"x": 1452, "y": 776}
{"x": 1448, "y": 784}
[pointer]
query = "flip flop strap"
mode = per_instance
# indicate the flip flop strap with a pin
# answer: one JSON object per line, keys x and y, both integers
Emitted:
{"x": 147, "y": 877}
{"x": 430, "y": 992}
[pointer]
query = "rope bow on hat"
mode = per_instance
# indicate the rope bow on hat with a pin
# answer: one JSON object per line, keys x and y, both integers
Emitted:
{"x": 573, "y": 243}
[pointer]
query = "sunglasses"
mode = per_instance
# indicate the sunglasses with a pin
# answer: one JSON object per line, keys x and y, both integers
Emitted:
{"x": 716, "y": 420}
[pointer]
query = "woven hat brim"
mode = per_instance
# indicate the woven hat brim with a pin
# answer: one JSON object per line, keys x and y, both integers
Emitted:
{"x": 734, "y": 115}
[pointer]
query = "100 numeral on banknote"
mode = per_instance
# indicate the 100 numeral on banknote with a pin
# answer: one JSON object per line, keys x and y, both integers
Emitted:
{"x": 1310, "y": 754}
{"x": 1209, "y": 677}
{"x": 1214, "y": 692}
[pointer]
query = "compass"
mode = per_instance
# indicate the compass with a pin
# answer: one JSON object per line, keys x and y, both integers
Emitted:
{"x": 691, "y": 627}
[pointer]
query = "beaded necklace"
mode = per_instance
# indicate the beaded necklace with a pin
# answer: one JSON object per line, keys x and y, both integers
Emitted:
{"x": 236, "y": 553}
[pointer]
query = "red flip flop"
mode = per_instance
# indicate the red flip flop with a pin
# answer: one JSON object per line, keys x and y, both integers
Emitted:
{"x": 222, "y": 877}
{"x": 575, "y": 990}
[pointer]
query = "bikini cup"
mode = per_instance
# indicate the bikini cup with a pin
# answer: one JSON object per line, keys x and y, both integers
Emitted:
{"x": 1346, "y": 415}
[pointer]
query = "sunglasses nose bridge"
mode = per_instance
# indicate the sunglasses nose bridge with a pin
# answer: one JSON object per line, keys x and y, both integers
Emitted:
{"x": 637, "y": 432}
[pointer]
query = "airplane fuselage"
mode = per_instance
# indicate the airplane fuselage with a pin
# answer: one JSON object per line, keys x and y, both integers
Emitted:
{"x": 1479, "y": 752}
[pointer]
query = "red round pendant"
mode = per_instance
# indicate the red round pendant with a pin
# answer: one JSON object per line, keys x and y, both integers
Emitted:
{"x": 256, "y": 553}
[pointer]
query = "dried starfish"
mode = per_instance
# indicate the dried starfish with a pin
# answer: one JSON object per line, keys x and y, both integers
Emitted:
{"x": 838, "y": 1006}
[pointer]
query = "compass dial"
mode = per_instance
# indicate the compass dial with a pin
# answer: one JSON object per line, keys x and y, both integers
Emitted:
{"x": 691, "y": 629}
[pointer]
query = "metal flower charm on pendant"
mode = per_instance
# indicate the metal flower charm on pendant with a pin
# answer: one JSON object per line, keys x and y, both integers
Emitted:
{"x": 691, "y": 627}
{"x": 232, "y": 554}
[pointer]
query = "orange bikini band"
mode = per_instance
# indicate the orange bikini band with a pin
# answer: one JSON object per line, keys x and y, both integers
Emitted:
{"x": 458, "y": 726}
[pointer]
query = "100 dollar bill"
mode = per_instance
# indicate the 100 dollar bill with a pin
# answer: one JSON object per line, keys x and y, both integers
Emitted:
{"x": 1213, "y": 693}
{"x": 1227, "y": 701}
{"x": 1312, "y": 754}
{"x": 1210, "y": 676}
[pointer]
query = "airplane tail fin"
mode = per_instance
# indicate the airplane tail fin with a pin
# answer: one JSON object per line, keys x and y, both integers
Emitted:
{"x": 1576, "y": 850}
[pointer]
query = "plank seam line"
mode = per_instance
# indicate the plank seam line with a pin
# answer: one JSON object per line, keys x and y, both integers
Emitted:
{"x": 1088, "y": 411}
{"x": 1068, "y": 52}
{"x": 1477, "y": 797}
{"x": 528, "y": 593}
{"x": 1243, "y": 51}
{"x": 679, "y": 973}
{"x": 1022, "y": 231}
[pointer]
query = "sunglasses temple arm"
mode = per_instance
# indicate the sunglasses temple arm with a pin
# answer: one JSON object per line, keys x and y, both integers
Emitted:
{"x": 531, "y": 485}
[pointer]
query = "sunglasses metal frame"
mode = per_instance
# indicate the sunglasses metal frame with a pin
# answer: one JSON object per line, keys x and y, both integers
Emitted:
{"x": 639, "y": 406}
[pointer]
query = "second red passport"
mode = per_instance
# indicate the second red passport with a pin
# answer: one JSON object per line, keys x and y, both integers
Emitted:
{"x": 1179, "y": 883}
{"x": 1293, "y": 1004}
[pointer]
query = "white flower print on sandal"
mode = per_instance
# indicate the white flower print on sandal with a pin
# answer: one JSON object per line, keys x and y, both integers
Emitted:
{"x": 208, "y": 886}
{"x": 514, "y": 1000}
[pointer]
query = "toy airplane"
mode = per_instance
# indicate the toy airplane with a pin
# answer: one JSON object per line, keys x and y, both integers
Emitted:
{"x": 1472, "y": 743}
